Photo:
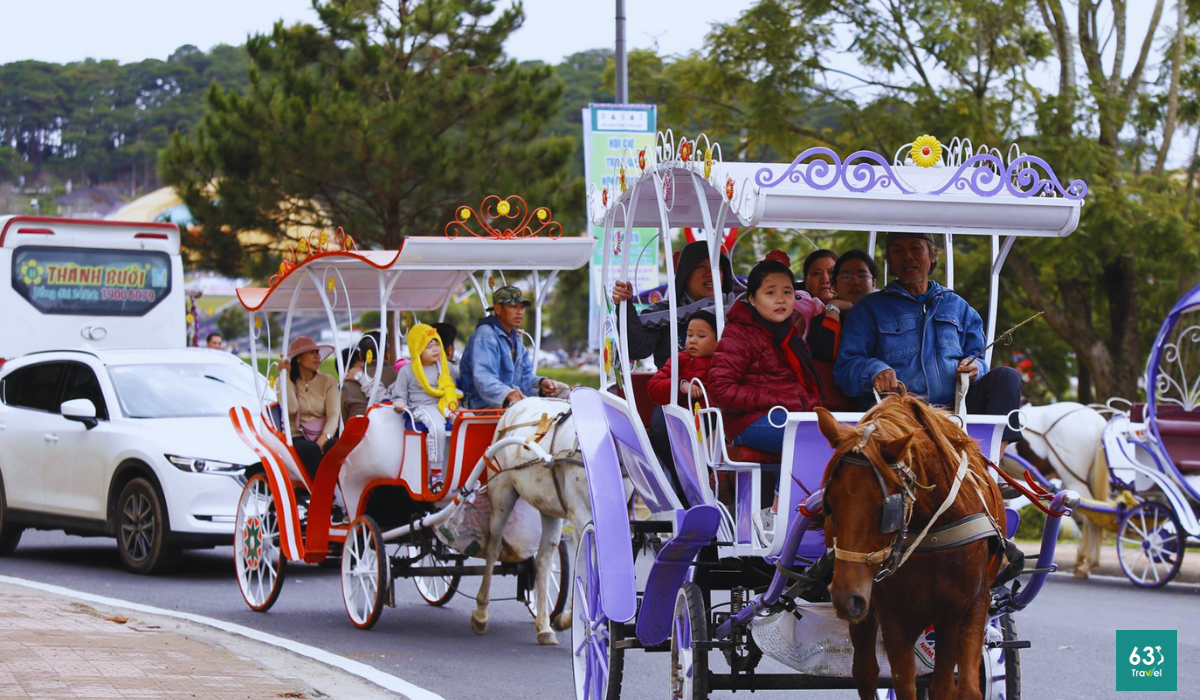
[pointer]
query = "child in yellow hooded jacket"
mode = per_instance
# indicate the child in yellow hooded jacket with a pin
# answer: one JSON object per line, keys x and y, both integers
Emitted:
{"x": 426, "y": 388}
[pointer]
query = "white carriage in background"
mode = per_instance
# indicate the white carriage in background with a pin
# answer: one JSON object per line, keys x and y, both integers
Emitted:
{"x": 705, "y": 545}
{"x": 380, "y": 464}
{"x": 1151, "y": 500}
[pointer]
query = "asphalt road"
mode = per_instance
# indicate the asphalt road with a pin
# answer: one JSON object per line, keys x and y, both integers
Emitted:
{"x": 1072, "y": 626}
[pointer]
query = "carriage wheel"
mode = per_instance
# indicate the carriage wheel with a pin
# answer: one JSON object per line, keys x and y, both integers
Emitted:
{"x": 257, "y": 556}
{"x": 689, "y": 663}
{"x": 1150, "y": 544}
{"x": 598, "y": 664}
{"x": 364, "y": 572}
{"x": 1012, "y": 659}
{"x": 434, "y": 590}
{"x": 558, "y": 584}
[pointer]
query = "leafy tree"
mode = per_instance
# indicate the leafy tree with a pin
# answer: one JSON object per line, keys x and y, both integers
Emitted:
{"x": 231, "y": 322}
{"x": 381, "y": 120}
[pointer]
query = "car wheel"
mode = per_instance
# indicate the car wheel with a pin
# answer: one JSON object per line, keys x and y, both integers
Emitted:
{"x": 10, "y": 534}
{"x": 142, "y": 530}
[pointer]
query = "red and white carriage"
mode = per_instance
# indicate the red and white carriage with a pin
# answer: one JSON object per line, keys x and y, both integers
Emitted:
{"x": 394, "y": 498}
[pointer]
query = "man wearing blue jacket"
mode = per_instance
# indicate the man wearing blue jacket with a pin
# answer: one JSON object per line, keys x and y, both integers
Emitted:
{"x": 496, "y": 370}
{"x": 921, "y": 334}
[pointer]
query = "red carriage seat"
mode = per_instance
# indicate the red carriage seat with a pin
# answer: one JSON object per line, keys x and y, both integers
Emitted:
{"x": 641, "y": 395}
{"x": 1180, "y": 434}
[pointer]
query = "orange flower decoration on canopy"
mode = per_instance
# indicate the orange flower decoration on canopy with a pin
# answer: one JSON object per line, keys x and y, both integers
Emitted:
{"x": 317, "y": 243}
{"x": 503, "y": 218}
{"x": 685, "y": 150}
{"x": 642, "y": 159}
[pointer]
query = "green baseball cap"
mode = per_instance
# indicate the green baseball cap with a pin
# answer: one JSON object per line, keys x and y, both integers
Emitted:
{"x": 509, "y": 295}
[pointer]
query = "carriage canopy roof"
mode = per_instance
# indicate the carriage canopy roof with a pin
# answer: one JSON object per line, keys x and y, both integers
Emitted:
{"x": 420, "y": 276}
{"x": 926, "y": 186}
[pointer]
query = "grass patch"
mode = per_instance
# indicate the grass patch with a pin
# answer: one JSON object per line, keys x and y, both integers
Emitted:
{"x": 571, "y": 376}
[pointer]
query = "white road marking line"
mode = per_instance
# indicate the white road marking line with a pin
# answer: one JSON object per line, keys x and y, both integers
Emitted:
{"x": 354, "y": 668}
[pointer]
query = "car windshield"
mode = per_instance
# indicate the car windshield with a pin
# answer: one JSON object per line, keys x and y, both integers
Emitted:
{"x": 182, "y": 390}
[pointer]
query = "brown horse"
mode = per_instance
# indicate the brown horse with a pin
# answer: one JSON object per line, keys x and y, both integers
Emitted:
{"x": 914, "y": 453}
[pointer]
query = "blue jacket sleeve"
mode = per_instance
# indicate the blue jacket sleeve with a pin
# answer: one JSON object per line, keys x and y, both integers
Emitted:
{"x": 856, "y": 366}
{"x": 973, "y": 340}
{"x": 485, "y": 361}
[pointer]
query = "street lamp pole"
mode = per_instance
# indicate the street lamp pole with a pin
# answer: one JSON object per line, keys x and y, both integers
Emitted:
{"x": 622, "y": 64}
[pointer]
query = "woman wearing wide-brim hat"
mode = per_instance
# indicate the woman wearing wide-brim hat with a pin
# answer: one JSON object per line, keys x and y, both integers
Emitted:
{"x": 314, "y": 402}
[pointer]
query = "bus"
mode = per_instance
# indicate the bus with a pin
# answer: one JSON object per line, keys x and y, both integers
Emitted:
{"x": 82, "y": 283}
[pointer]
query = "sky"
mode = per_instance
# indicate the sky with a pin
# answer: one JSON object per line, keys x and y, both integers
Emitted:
{"x": 133, "y": 30}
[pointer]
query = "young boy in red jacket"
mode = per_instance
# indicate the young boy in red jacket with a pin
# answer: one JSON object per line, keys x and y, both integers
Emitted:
{"x": 693, "y": 361}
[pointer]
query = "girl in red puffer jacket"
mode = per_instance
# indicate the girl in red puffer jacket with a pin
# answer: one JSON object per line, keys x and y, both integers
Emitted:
{"x": 693, "y": 361}
{"x": 761, "y": 362}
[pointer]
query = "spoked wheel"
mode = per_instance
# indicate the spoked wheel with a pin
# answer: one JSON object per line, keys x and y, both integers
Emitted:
{"x": 364, "y": 573}
{"x": 434, "y": 590}
{"x": 256, "y": 553}
{"x": 558, "y": 584}
{"x": 598, "y": 665}
{"x": 689, "y": 663}
{"x": 1150, "y": 544}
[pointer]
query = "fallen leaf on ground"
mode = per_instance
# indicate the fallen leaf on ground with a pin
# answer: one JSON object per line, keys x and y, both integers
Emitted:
{"x": 117, "y": 619}
{"x": 294, "y": 694}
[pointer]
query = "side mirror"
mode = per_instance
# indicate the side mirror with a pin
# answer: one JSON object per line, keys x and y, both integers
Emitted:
{"x": 81, "y": 411}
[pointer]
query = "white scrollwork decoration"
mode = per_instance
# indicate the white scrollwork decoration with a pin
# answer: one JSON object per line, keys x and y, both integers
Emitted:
{"x": 1173, "y": 385}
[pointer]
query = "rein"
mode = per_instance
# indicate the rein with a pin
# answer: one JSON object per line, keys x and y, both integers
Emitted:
{"x": 897, "y": 512}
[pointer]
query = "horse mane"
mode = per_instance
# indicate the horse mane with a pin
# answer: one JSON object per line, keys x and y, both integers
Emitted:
{"x": 901, "y": 414}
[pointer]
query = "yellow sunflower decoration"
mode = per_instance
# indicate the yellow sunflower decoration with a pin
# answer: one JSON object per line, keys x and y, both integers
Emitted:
{"x": 926, "y": 151}
{"x": 31, "y": 272}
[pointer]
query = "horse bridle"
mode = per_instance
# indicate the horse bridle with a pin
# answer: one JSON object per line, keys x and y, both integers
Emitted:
{"x": 897, "y": 510}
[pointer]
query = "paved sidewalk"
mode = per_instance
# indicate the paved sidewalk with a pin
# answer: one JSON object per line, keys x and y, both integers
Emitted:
{"x": 56, "y": 648}
{"x": 1064, "y": 556}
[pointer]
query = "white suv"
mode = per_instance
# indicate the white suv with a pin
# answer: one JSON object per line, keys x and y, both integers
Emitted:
{"x": 132, "y": 444}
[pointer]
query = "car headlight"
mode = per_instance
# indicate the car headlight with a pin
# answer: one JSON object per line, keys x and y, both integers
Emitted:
{"x": 205, "y": 466}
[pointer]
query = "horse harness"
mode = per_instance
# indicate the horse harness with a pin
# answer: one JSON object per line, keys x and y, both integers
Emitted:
{"x": 546, "y": 425}
{"x": 897, "y": 512}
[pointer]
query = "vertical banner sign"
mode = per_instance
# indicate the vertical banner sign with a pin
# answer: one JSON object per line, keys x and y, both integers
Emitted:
{"x": 610, "y": 133}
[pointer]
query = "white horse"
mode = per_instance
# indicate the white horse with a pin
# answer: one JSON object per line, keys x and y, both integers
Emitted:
{"x": 558, "y": 492}
{"x": 1064, "y": 440}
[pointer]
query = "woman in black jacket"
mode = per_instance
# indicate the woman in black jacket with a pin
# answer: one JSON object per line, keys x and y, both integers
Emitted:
{"x": 650, "y": 332}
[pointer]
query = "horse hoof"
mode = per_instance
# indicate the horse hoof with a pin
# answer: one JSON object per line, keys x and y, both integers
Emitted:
{"x": 478, "y": 626}
{"x": 562, "y": 623}
{"x": 1081, "y": 573}
{"x": 547, "y": 638}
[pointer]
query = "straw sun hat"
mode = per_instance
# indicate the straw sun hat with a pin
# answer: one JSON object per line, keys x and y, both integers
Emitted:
{"x": 303, "y": 344}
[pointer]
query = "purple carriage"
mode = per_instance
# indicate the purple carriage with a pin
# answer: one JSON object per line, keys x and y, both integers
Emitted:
{"x": 709, "y": 587}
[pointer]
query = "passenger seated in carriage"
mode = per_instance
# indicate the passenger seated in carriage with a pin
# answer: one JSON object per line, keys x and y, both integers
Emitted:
{"x": 693, "y": 362}
{"x": 854, "y": 276}
{"x": 922, "y": 335}
{"x": 761, "y": 362}
{"x": 496, "y": 369}
{"x": 377, "y": 370}
{"x": 650, "y": 333}
{"x": 355, "y": 389}
{"x": 313, "y": 401}
{"x": 448, "y": 333}
{"x": 426, "y": 389}
{"x": 817, "y": 274}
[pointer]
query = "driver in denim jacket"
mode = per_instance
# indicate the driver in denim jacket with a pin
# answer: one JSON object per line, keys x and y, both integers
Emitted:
{"x": 920, "y": 334}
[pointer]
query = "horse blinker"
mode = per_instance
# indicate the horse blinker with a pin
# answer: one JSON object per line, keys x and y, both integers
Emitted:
{"x": 893, "y": 513}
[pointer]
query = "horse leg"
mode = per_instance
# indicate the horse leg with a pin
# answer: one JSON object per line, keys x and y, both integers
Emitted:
{"x": 866, "y": 664}
{"x": 898, "y": 641}
{"x": 971, "y": 630}
{"x": 1088, "y": 554}
{"x": 547, "y": 551}
{"x": 579, "y": 512}
{"x": 504, "y": 497}
{"x": 948, "y": 654}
